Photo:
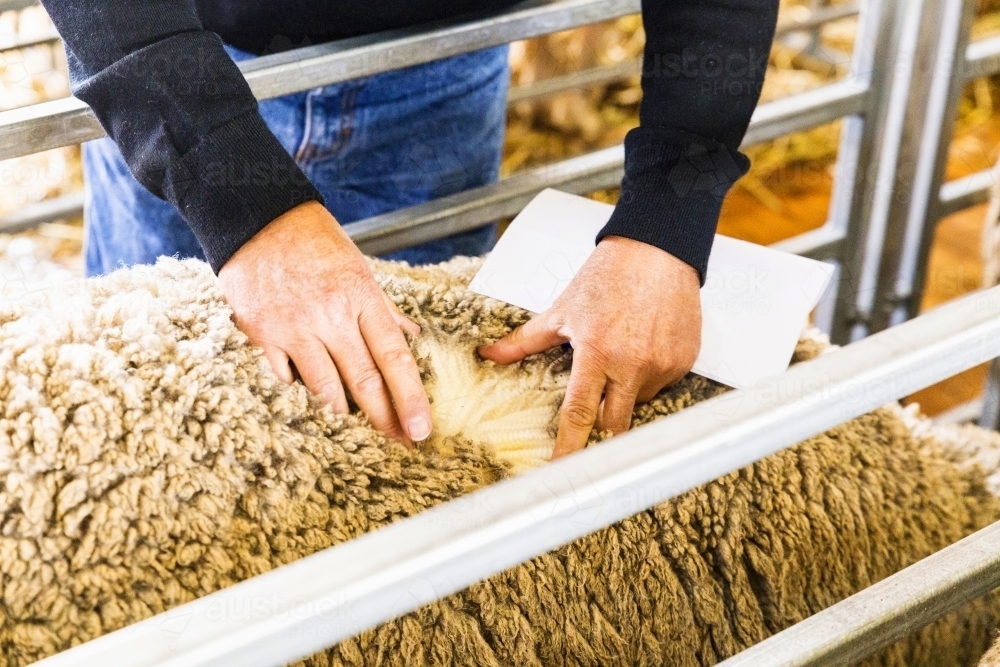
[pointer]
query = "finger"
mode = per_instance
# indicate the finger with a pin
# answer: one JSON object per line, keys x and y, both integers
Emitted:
{"x": 536, "y": 335}
{"x": 655, "y": 385}
{"x": 616, "y": 410}
{"x": 367, "y": 386}
{"x": 319, "y": 373}
{"x": 278, "y": 361}
{"x": 579, "y": 409}
{"x": 405, "y": 323}
{"x": 395, "y": 360}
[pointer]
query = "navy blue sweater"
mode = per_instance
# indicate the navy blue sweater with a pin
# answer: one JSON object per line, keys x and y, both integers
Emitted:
{"x": 156, "y": 75}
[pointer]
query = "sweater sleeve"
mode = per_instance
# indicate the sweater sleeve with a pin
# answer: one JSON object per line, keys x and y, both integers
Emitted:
{"x": 183, "y": 116}
{"x": 703, "y": 68}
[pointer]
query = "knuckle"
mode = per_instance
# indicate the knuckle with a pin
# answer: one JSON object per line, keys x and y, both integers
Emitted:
{"x": 330, "y": 387}
{"x": 368, "y": 380}
{"x": 579, "y": 415}
{"x": 397, "y": 357}
{"x": 327, "y": 381}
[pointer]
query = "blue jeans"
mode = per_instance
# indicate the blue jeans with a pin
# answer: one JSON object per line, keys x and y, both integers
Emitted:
{"x": 370, "y": 146}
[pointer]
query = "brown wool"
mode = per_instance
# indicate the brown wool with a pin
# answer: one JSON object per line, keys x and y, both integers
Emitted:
{"x": 148, "y": 457}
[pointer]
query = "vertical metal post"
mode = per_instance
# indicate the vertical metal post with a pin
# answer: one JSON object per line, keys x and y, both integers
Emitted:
{"x": 861, "y": 142}
{"x": 937, "y": 82}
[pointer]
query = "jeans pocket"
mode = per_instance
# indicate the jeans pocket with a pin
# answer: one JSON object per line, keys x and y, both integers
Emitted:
{"x": 329, "y": 121}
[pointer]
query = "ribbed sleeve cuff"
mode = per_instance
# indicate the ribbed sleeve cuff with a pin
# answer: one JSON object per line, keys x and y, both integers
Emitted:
{"x": 234, "y": 182}
{"x": 672, "y": 192}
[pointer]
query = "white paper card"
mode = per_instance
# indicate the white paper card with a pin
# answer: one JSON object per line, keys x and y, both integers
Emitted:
{"x": 754, "y": 303}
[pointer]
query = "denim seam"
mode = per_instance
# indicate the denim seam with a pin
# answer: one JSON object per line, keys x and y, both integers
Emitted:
{"x": 300, "y": 153}
{"x": 311, "y": 152}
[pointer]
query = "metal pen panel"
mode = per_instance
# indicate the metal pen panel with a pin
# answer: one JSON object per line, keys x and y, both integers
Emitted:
{"x": 66, "y": 122}
{"x": 602, "y": 169}
{"x": 930, "y": 198}
{"x": 293, "y": 71}
{"x": 931, "y": 105}
{"x": 863, "y": 139}
{"x": 369, "y": 580}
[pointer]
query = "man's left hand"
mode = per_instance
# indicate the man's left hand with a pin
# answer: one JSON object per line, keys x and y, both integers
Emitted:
{"x": 633, "y": 317}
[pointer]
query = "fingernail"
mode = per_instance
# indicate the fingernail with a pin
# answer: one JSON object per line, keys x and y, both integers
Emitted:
{"x": 419, "y": 428}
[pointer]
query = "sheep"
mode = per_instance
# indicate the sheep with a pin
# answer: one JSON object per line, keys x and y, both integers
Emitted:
{"x": 149, "y": 457}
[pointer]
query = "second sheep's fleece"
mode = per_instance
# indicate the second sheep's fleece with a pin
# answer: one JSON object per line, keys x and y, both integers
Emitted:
{"x": 149, "y": 457}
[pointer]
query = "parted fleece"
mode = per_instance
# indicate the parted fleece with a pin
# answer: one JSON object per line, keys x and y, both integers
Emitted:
{"x": 149, "y": 457}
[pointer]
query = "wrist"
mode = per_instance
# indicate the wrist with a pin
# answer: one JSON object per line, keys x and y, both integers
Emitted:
{"x": 649, "y": 257}
{"x": 283, "y": 233}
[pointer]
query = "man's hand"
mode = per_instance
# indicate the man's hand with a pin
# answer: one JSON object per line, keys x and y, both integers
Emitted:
{"x": 633, "y": 317}
{"x": 302, "y": 291}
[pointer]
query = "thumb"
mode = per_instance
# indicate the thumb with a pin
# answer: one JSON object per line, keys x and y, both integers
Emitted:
{"x": 536, "y": 335}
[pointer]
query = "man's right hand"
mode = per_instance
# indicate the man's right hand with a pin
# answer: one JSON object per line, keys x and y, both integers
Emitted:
{"x": 302, "y": 291}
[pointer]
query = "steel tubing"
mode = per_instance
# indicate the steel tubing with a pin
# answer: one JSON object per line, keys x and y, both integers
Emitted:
{"x": 64, "y": 122}
{"x": 965, "y": 192}
{"x": 480, "y": 206}
{"x": 14, "y": 5}
{"x": 982, "y": 58}
{"x": 601, "y": 169}
{"x": 48, "y": 210}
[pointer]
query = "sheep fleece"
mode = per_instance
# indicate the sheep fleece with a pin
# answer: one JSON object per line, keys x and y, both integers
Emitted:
{"x": 148, "y": 457}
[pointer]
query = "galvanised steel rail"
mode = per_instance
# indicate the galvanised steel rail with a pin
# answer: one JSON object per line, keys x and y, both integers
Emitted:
{"x": 27, "y": 43}
{"x": 69, "y": 121}
{"x": 334, "y": 594}
{"x": 602, "y": 169}
{"x": 950, "y": 62}
{"x": 48, "y": 210}
{"x": 575, "y": 80}
{"x": 14, "y": 5}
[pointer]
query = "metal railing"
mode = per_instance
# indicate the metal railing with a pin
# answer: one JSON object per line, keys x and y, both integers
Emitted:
{"x": 69, "y": 121}
{"x": 921, "y": 197}
{"x": 14, "y": 5}
{"x": 379, "y": 576}
{"x": 947, "y": 63}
